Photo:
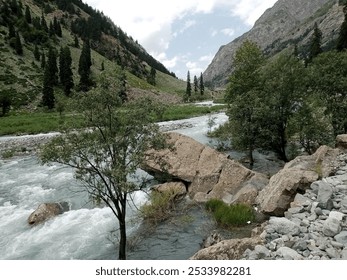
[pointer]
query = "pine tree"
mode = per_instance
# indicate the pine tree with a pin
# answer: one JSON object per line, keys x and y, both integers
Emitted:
{"x": 43, "y": 23}
{"x": 316, "y": 42}
{"x": 57, "y": 27}
{"x": 18, "y": 45}
{"x": 342, "y": 39}
{"x": 151, "y": 77}
{"x": 65, "y": 72}
{"x": 196, "y": 85}
{"x": 37, "y": 53}
{"x": 27, "y": 14}
{"x": 76, "y": 43}
{"x": 52, "y": 67}
{"x": 201, "y": 85}
{"x": 43, "y": 60}
{"x": 48, "y": 98}
{"x": 84, "y": 65}
{"x": 51, "y": 30}
{"x": 188, "y": 88}
{"x": 11, "y": 31}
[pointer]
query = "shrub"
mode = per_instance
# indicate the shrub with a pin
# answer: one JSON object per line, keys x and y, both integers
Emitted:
{"x": 160, "y": 206}
{"x": 233, "y": 215}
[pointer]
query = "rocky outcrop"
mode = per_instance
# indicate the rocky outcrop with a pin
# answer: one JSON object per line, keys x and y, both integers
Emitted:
{"x": 296, "y": 176}
{"x": 315, "y": 225}
{"x": 177, "y": 188}
{"x": 341, "y": 141}
{"x": 227, "y": 249}
{"x": 47, "y": 211}
{"x": 208, "y": 173}
{"x": 286, "y": 23}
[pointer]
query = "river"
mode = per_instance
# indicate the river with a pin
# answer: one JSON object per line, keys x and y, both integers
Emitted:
{"x": 85, "y": 232}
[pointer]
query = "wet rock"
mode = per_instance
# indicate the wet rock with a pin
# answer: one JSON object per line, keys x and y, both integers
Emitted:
{"x": 47, "y": 211}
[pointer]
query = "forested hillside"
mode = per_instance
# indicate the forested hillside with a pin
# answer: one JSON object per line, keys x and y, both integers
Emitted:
{"x": 51, "y": 49}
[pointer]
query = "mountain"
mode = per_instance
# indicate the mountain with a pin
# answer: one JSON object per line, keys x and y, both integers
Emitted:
{"x": 28, "y": 28}
{"x": 287, "y": 23}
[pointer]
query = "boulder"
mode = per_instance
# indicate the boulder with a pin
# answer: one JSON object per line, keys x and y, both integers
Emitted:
{"x": 232, "y": 249}
{"x": 207, "y": 172}
{"x": 288, "y": 254}
{"x": 283, "y": 226}
{"x": 325, "y": 193}
{"x": 331, "y": 227}
{"x": 47, "y": 211}
{"x": 341, "y": 141}
{"x": 177, "y": 188}
{"x": 296, "y": 176}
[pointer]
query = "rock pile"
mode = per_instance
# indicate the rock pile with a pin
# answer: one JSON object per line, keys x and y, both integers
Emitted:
{"x": 315, "y": 225}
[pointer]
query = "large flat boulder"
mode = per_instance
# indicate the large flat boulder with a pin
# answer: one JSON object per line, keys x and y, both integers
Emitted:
{"x": 296, "y": 176}
{"x": 207, "y": 172}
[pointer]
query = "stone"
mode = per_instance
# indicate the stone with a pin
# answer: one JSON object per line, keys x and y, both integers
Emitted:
{"x": 212, "y": 239}
{"x": 207, "y": 172}
{"x": 300, "y": 245}
{"x": 177, "y": 188}
{"x": 288, "y": 254}
{"x": 47, "y": 211}
{"x": 283, "y": 226}
{"x": 336, "y": 215}
{"x": 296, "y": 176}
{"x": 344, "y": 254}
{"x": 325, "y": 192}
{"x": 341, "y": 238}
{"x": 343, "y": 203}
{"x": 331, "y": 227}
{"x": 232, "y": 249}
{"x": 341, "y": 141}
{"x": 332, "y": 253}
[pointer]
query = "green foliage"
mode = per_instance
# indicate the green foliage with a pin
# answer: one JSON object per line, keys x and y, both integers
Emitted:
{"x": 315, "y": 44}
{"x": 107, "y": 155}
{"x": 65, "y": 71}
{"x": 233, "y": 215}
{"x": 188, "y": 93}
{"x": 84, "y": 64}
{"x": 5, "y": 102}
{"x": 159, "y": 207}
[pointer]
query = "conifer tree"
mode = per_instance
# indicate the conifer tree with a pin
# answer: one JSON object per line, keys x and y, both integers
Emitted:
{"x": 188, "y": 88}
{"x": 76, "y": 42}
{"x": 18, "y": 45}
{"x": 84, "y": 65}
{"x": 43, "y": 60}
{"x": 11, "y": 31}
{"x": 342, "y": 39}
{"x": 48, "y": 98}
{"x": 315, "y": 45}
{"x": 57, "y": 27}
{"x": 52, "y": 67}
{"x": 196, "y": 85}
{"x": 37, "y": 53}
{"x": 65, "y": 72}
{"x": 43, "y": 23}
{"x": 201, "y": 86}
{"x": 27, "y": 14}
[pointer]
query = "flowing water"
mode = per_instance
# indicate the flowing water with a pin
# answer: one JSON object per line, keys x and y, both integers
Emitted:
{"x": 85, "y": 231}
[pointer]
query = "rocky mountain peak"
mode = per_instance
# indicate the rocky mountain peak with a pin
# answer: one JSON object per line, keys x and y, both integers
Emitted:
{"x": 287, "y": 23}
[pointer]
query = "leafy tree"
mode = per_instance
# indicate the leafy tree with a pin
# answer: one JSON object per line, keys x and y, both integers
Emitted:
{"x": 329, "y": 79}
{"x": 201, "y": 85}
{"x": 84, "y": 65}
{"x": 65, "y": 72}
{"x": 284, "y": 90}
{"x": 243, "y": 98}
{"x": 106, "y": 157}
{"x": 188, "y": 88}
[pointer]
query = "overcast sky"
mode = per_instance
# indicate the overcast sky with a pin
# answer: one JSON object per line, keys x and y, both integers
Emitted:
{"x": 183, "y": 34}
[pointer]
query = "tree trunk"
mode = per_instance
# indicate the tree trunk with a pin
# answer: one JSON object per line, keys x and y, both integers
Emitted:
{"x": 251, "y": 158}
{"x": 122, "y": 229}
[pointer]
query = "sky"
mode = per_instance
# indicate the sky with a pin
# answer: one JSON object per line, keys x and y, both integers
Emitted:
{"x": 184, "y": 35}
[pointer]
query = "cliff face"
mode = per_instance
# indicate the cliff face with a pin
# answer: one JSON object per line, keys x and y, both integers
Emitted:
{"x": 287, "y": 23}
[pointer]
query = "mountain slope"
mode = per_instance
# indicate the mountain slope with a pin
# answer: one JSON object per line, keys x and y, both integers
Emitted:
{"x": 21, "y": 75}
{"x": 287, "y": 23}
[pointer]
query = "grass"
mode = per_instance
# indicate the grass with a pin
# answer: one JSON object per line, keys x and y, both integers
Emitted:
{"x": 44, "y": 122}
{"x": 230, "y": 215}
{"x": 34, "y": 123}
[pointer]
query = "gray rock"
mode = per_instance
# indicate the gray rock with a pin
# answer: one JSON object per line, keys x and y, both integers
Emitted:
{"x": 344, "y": 254}
{"x": 336, "y": 244}
{"x": 300, "y": 246}
{"x": 261, "y": 252}
{"x": 343, "y": 203}
{"x": 332, "y": 253}
{"x": 336, "y": 215}
{"x": 288, "y": 254}
{"x": 325, "y": 192}
{"x": 331, "y": 227}
{"x": 341, "y": 238}
{"x": 283, "y": 226}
